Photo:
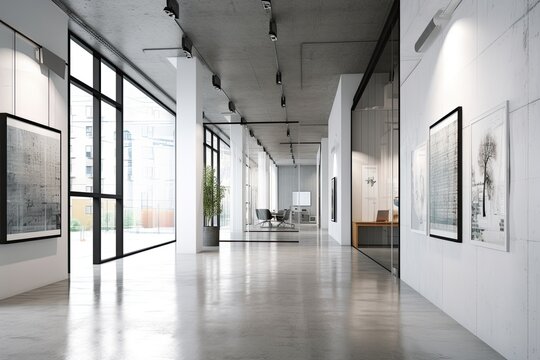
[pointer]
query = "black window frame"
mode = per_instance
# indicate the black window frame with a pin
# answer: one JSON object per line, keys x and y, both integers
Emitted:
{"x": 216, "y": 154}
{"x": 97, "y": 195}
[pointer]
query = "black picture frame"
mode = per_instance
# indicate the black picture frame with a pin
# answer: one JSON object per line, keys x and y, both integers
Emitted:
{"x": 55, "y": 136}
{"x": 333, "y": 203}
{"x": 451, "y": 196}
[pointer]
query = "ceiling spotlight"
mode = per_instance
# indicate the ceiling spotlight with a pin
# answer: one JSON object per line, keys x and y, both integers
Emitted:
{"x": 187, "y": 45}
{"x": 251, "y": 133}
{"x": 267, "y": 4}
{"x": 232, "y": 108}
{"x": 288, "y": 132}
{"x": 243, "y": 120}
{"x": 264, "y": 149}
{"x": 258, "y": 142}
{"x": 283, "y": 102}
{"x": 172, "y": 9}
{"x": 216, "y": 82}
{"x": 278, "y": 77}
{"x": 273, "y": 30}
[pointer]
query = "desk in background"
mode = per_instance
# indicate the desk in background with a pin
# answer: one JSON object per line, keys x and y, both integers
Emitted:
{"x": 383, "y": 239}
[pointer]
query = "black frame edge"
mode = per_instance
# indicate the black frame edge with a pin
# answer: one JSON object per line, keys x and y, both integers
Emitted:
{"x": 459, "y": 111}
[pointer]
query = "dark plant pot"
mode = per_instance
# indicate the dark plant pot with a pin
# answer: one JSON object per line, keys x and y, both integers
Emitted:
{"x": 211, "y": 236}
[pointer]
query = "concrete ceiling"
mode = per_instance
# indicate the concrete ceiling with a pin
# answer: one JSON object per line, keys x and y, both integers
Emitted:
{"x": 317, "y": 41}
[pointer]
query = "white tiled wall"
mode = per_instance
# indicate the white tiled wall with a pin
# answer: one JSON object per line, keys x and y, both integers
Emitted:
{"x": 489, "y": 53}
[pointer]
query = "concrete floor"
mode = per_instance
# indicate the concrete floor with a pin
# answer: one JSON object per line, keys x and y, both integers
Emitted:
{"x": 306, "y": 300}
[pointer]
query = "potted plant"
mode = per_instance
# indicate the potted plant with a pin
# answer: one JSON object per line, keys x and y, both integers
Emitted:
{"x": 213, "y": 194}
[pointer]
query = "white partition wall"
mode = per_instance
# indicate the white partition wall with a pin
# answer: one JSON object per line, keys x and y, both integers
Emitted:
{"x": 238, "y": 179}
{"x": 30, "y": 90}
{"x": 339, "y": 156}
{"x": 324, "y": 199}
{"x": 487, "y": 54}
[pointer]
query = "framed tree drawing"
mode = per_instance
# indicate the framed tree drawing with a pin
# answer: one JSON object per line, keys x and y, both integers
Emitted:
{"x": 489, "y": 179}
{"x": 333, "y": 200}
{"x": 445, "y": 177}
{"x": 30, "y": 180}
{"x": 419, "y": 189}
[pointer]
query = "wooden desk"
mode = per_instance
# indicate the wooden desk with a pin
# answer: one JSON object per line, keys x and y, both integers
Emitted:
{"x": 357, "y": 224}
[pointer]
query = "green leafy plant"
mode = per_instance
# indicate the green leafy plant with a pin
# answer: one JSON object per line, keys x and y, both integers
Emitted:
{"x": 213, "y": 194}
{"x": 75, "y": 225}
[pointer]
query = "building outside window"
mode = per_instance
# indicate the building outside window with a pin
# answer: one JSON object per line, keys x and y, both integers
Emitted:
{"x": 122, "y": 162}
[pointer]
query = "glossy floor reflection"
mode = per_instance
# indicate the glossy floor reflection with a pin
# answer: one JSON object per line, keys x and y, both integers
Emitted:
{"x": 306, "y": 300}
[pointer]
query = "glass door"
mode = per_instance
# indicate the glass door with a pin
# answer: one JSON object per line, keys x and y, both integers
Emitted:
{"x": 375, "y": 162}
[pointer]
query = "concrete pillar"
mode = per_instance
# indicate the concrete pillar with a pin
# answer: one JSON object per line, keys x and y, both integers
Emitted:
{"x": 238, "y": 179}
{"x": 189, "y": 156}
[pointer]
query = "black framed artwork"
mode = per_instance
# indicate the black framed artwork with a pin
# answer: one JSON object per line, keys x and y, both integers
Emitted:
{"x": 333, "y": 202}
{"x": 445, "y": 177}
{"x": 30, "y": 180}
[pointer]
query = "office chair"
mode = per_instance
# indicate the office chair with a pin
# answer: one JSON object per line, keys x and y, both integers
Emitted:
{"x": 284, "y": 218}
{"x": 264, "y": 216}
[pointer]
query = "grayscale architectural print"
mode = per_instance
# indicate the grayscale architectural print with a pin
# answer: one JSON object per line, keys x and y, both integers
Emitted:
{"x": 32, "y": 182}
{"x": 419, "y": 190}
{"x": 444, "y": 191}
{"x": 489, "y": 179}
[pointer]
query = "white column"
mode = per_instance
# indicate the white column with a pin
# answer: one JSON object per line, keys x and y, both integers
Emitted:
{"x": 189, "y": 156}
{"x": 238, "y": 179}
{"x": 263, "y": 186}
{"x": 273, "y": 187}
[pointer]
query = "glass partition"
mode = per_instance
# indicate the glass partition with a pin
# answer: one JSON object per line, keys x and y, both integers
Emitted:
{"x": 375, "y": 162}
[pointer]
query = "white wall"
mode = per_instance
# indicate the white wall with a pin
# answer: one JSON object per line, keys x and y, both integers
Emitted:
{"x": 297, "y": 178}
{"x": 41, "y": 97}
{"x": 487, "y": 54}
{"x": 339, "y": 156}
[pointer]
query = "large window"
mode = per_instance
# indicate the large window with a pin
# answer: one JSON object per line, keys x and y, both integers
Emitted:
{"x": 122, "y": 162}
{"x": 149, "y": 171}
{"x": 217, "y": 155}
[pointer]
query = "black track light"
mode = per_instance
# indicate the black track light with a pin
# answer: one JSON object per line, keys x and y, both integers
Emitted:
{"x": 288, "y": 132}
{"x": 273, "y": 30}
{"x": 232, "y": 108}
{"x": 267, "y": 4}
{"x": 172, "y": 8}
{"x": 258, "y": 142}
{"x": 264, "y": 149}
{"x": 216, "y": 82}
{"x": 243, "y": 120}
{"x": 187, "y": 46}
{"x": 278, "y": 77}
{"x": 251, "y": 133}
{"x": 283, "y": 101}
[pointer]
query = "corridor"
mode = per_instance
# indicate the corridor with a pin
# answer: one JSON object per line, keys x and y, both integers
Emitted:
{"x": 307, "y": 300}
